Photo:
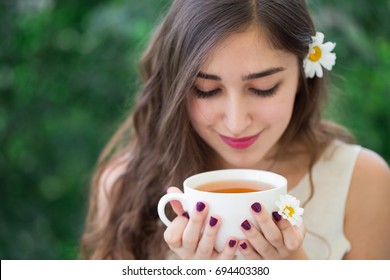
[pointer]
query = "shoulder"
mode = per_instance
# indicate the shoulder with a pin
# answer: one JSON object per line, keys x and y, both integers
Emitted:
{"x": 370, "y": 170}
{"x": 368, "y": 207}
{"x": 370, "y": 182}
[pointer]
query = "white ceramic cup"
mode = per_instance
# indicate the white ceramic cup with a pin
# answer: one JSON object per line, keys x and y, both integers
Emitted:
{"x": 231, "y": 208}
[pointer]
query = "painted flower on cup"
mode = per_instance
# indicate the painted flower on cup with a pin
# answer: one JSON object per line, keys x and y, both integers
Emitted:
{"x": 320, "y": 55}
{"x": 289, "y": 209}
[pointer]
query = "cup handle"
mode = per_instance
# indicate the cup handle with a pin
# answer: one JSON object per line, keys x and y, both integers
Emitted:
{"x": 164, "y": 200}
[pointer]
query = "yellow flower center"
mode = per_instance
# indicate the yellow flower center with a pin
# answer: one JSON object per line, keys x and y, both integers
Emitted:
{"x": 316, "y": 55}
{"x": 289, "y": 211}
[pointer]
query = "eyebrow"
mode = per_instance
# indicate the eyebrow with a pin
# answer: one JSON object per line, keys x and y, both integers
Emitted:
{"x": 251, "y": 76}
{"x": 208, "y": 76}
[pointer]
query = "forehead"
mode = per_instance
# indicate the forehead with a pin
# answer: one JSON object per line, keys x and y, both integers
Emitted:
{"x": 247, "y": 51}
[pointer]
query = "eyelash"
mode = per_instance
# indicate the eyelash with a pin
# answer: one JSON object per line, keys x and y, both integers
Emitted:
{"x": 263, "y": 93}
{"x": 267, "y": 92}
{"x": 205, "y": 94}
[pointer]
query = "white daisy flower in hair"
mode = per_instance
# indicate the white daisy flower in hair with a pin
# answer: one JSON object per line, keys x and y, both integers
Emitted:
{"x": 289, "y": 209}
{"x": 320, "y": 55}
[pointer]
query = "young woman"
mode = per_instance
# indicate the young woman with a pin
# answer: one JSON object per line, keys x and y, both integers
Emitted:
{"x": 237, "y": 84}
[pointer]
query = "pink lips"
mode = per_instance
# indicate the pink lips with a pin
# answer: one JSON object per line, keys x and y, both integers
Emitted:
{"x": 240, "y": 143}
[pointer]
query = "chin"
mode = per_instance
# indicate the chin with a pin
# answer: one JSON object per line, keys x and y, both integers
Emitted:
{"x": 241, "y": 163}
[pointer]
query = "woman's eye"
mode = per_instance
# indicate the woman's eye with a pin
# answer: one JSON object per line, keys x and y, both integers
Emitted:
{"x": 266, "y": 92}
{"x": 205, "y": 94}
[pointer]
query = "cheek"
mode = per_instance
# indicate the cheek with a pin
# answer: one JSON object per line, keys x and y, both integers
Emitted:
{"x": 200, "y": 113}
{"x": 277, "y": 111}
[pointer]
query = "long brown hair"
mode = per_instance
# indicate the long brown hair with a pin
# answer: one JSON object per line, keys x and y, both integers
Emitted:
{"x": 157, "y": 140}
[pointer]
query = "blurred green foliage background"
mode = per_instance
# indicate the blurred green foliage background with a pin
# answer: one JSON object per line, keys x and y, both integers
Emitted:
{"x": 68, "y": 75}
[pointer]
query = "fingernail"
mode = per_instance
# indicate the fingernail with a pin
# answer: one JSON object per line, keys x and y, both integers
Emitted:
{"x": 200, "y": 206}
{"x": 185, "y": 214}
{"x": 256, "y": 207}
{"x": 213, "y": 221}
{"x": 243, "y": 245}
{"x": 232, "y": 243}
{"x": 276, "y": 216}
{"x": 246, "y": 225}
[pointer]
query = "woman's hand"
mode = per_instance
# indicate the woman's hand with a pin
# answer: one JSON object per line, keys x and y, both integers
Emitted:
{"x": 184, "y": 235}
{"x": 275, "y": 237}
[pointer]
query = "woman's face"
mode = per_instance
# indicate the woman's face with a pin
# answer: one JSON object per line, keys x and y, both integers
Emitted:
{"x": 243, "y": 98}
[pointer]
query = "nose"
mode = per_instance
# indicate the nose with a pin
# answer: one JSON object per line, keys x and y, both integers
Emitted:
{"x": 237, "y": 117}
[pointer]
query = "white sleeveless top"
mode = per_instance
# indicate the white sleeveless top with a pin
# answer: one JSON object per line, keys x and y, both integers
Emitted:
{"x": 325, "y": 212}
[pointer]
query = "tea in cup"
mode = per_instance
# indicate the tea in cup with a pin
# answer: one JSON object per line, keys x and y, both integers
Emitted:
{"x": 229, "y": 194}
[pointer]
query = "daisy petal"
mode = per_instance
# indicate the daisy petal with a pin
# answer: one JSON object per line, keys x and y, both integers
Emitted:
{"x": 328, "y": 47}
{"x": 318, "y": 70}
{"x": 300, "y": 211}
{"x": 328, "y": 61}
{"x": 319, "y": 38}
{"x": 309, "y": 70}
